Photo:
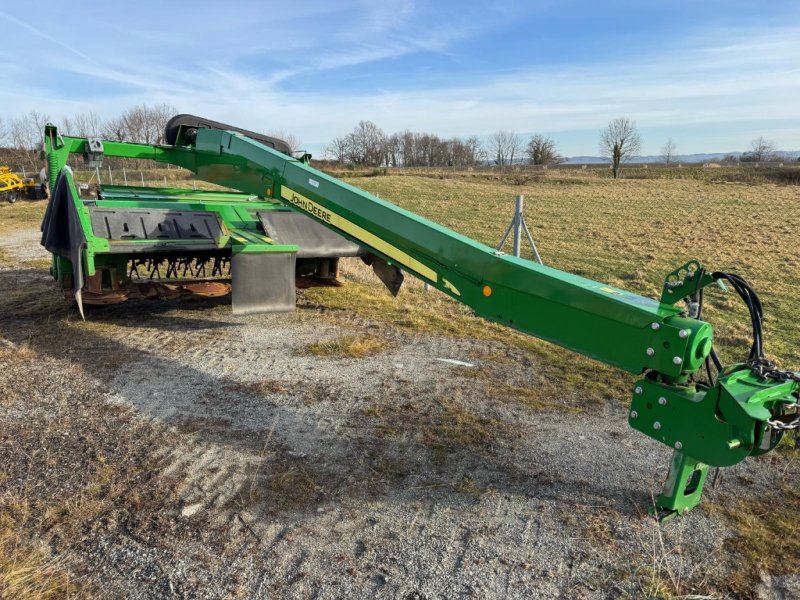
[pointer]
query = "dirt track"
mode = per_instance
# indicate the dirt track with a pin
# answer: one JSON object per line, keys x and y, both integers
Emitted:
{"x": 275, "y": 473}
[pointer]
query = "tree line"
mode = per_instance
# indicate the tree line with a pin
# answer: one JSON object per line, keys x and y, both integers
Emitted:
{"x": 21, "y": 137}
{"x": 366, "y": 145}
{"x": 620, "y": 143}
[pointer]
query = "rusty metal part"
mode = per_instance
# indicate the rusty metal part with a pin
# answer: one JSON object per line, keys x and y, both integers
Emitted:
{"x": 169, "y": 291}
{"x": 147, "y": 289}
{"x": 207, "y": 289}
{"x": 104, "y": 297}
{"x": 95, "y": 293}
{"x": 172, "y": 291}
{"x": 155, "y": 289}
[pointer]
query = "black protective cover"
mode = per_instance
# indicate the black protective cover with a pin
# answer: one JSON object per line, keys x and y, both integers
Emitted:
{"x": 165, "y": 227}
{"x": 174, "y": 124}
{"x": 313, "y": 239}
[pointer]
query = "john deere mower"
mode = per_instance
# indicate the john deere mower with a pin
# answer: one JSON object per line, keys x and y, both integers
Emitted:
{"x": 288, "y": 219}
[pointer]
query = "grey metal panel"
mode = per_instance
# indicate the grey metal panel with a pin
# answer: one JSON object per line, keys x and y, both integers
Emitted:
{"x": 263, "y": 282}
{"x": 157, "y": 224}
{"x": 313, "y": 240}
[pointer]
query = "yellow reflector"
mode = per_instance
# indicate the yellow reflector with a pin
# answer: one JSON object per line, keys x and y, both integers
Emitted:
{"x": 487, "y": 291}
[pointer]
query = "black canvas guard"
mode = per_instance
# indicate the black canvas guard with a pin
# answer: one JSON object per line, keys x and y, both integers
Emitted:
{"x": 313, "y": 239}
{"x": 62, "y": 233}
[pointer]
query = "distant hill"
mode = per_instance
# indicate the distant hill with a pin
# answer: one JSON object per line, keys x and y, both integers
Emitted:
{"x": 786, "y": 155}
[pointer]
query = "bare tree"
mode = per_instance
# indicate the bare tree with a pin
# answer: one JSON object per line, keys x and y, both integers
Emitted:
{"x": 503, "y": 145}
{"x": 668, "y": 152}
{"x": 140, "y": 124}
{"x": 114, "y": 130}
{"x": 475, "y": 151}
{"x": 291, "y": 140}
{"x": 620, "y": 142}
{"x": 395, "y": 147}
{"x": 366, "y": 145}
{"x": 762, "y": 149}
{"x": 515, "y": 147}
{"x": 145, "y": 125}
{"x": 339, "y": 149}
{"x": 541, "y": 150}
{"x": 26, "y": 135}
{"x": 81, "y": 125}
{"x": 405, "y": 148}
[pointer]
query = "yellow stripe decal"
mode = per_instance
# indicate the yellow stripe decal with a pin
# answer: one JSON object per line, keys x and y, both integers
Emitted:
{"x": 359, "y": 233}
{"x": 450, "y": 287}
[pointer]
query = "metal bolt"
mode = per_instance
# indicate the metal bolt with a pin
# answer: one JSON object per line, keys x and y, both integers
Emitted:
{"x": 634, "y": 414}
{"x": 677, "y": 360}
{"x": 650, "y": 352}
{"x": 678, "y": 446}
{"x": 655, "y": 326}
{"x": 684, "y": 333}
{"x": 638, "y": 390}
{"x": 656, "y": 425}
{"x": 662, "y": 401}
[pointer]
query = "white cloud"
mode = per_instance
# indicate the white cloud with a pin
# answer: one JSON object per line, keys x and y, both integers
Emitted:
{"x": 695, "y": 82}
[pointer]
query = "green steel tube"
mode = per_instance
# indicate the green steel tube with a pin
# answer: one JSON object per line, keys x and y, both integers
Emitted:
{"x": 612, "y": 325}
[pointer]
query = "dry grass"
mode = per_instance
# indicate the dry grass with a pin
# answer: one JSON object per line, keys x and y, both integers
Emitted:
{"x": 28, "y": 572}
{"x": 265, "y": 387}
{"x": 5, "y": 259}
{"x": 292, "y": 485}
{"x": 596, "y": 523}
{"x": 767, "y": 536}
{"x": 24, "y": 214}
{"x": 454, "y": 427}
{"x": 348, "y": 346}
{"x": 73, "y": 467}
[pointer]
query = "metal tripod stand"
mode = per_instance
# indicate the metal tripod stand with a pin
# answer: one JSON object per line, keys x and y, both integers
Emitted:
{"x": 518, "y": 225}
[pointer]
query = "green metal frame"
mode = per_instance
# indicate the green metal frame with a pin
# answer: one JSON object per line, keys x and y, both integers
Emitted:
{"x": 719, "y": 425}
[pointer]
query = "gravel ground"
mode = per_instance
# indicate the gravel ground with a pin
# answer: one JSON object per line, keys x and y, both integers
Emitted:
{"x": 23, "y": 245}
{"x": 287, "y": 475}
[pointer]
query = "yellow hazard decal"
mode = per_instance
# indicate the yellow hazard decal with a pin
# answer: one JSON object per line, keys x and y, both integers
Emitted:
{"x": 611, "y": 291}
{"x": 359, "y": 233}
{"x": 450, "y": 287}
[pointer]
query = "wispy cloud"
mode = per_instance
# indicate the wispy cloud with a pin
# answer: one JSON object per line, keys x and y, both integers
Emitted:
{"x": 41, "y": 34}
{"x": 246, "y": 72}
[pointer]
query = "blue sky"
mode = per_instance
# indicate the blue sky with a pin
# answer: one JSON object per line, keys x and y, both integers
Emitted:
{"x": 712, "y": 75}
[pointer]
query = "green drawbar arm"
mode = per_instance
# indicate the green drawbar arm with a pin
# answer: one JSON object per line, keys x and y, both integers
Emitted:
{"x": 719, "y": 424}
